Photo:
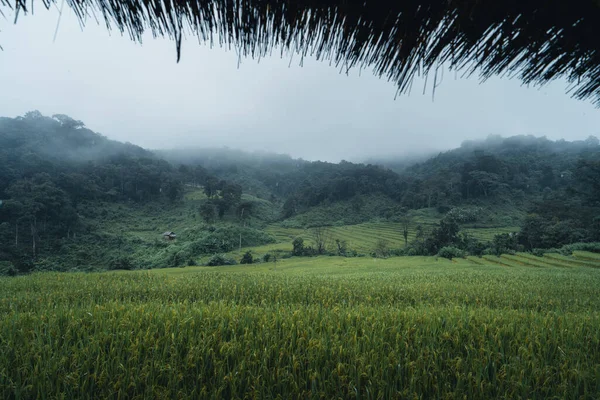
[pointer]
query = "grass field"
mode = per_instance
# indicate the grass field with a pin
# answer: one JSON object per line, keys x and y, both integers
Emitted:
{"x": 323, "y": 327}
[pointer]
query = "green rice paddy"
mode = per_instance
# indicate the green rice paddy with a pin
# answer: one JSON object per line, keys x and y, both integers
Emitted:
{"x": 310, "y": 328}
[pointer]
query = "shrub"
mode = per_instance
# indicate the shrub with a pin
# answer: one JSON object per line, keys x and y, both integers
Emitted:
{"x": 351, "y": 253}
{"x": 412, "y": 252}
{"x": 123, "y": 263}
{"x": 267, "y": 257}
{"x": 176, "y": 259}
{"x": 309, "y": 251}
{"x": 382, "y": 249}
{"x": 476, "y": 248}
{"x": 488, "y": 251}
{"x": 398, "y": 252}
{"x": 541, "y": 252}
{"x": 220, "y": 259}
{"x": 7, "y": 268}
{"x": 450, "y": 252}
{"x": 298, "y": 244}
{"x": 505, "y": 243}
{"x": 568, "y": 249}
{"x": 247, "y": 258}
{"x": 342, "y": 247}
{"x": 442, "y": 209}
{"x": 593, "y": 247}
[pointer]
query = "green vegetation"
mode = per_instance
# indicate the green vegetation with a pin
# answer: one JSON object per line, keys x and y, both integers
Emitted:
{"x": 450, "y": 252}
{"x": 247, "y": 258}
{"x": 322, "y": 327}
{"x": 586, "y": 255}
{"x": 359, "y": 209}
{"x": 220, "y": 259}
{"x": 72, "y": 200}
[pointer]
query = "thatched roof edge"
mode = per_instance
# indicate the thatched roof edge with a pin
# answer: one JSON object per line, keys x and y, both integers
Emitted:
{"x": 536, "y": 41}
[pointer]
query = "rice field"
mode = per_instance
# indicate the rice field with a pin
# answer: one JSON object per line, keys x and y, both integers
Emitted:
{"x": 310, "y": 328}
{"x": 363, "y": 237}
{"x": 578, "y": 259}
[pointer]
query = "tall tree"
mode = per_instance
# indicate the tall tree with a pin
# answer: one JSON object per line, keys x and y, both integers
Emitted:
{"x": 322, "y": 238}
{"x": 208, "y": 212}
{"x": 42, "y": 203}
{"x": 405, "y": 222}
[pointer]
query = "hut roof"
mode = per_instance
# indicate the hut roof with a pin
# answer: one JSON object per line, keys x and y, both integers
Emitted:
{"x": 535, "y": 40}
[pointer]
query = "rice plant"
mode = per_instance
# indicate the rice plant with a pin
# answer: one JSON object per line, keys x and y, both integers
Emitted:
{"x": 325, "y": 327}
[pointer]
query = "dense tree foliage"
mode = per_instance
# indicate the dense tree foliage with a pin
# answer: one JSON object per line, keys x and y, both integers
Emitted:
{"x": 51, "y": 166}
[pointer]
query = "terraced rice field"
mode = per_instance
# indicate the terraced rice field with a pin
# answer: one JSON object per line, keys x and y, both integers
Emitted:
{"x": 571, "y": 260}
{"x": 587, "y": 256}
{"x": 363, "y": 237}
{"x": 314, "y": 328}
{"x": 578, "y": 259}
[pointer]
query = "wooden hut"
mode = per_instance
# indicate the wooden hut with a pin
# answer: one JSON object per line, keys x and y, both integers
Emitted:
{"x": 169, "y": 235}
{"x": 534, "y": 40}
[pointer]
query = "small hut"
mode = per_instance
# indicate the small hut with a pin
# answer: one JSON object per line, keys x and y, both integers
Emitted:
{"x": 169, "y": 235}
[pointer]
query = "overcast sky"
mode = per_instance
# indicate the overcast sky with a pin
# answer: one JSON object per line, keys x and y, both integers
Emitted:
{"x": 138, "y": 93}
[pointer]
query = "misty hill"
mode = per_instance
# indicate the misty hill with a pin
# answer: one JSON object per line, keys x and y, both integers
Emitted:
{"x": 60, "y": 138}
{"x": 223, "y": 158}
{"x": 495, "y": 172}
{"x": 71, "y": 198}
{"x": 259, "y": 173}
{"x": 506, "y": 169}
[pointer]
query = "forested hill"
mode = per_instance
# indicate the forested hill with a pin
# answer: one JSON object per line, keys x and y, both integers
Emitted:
{"x": 63, "y": 188}
{"x": 499, "y": 170}
{"x": 258, "y": 172}
{"x": 549, "y": 188}
{"x": 44, "y": 151}
{"x": 495, "y": 171}
{"x": 71, "y": 198}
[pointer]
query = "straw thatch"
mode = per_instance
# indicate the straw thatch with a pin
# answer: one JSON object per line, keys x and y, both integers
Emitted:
{"x": 536, "y": 41}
